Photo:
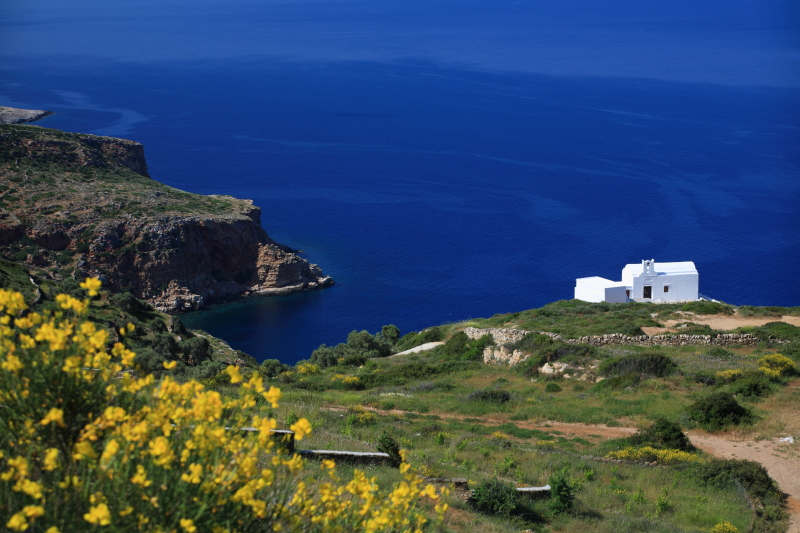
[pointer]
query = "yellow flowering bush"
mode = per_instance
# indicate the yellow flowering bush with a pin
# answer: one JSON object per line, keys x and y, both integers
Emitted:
{"x": 728, "y": 376}
{"x": 360, "y": 416}
{"x": 307, "y": 368}
{"x": 724, "y": 527}
{"x": 85, "y": 446}
{"x": 776, "y": 365}
{"x": 648, "y": 453}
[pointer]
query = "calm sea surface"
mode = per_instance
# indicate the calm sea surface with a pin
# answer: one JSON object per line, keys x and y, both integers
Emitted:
{"x": 446, "y": 160}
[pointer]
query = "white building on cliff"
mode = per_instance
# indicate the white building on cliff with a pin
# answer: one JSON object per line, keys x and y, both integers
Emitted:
{"x": 648, "y": 282}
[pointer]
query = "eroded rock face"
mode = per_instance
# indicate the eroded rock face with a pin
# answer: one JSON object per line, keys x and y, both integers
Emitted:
{"x": 183, "y": 263}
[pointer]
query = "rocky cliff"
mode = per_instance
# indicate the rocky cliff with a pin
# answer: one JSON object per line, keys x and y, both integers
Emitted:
{"x": 77, "y": 205}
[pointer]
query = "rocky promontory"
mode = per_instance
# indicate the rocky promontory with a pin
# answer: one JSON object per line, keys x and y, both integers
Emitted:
{"x": 76, "y": 205}
{"x": 13, "y": 115}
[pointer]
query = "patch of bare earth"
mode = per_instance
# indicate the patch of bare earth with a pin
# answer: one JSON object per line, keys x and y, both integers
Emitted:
{"x": 728, "y": 322}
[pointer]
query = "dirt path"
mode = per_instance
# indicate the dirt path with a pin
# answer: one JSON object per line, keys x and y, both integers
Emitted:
{"x": 728, "y": 322}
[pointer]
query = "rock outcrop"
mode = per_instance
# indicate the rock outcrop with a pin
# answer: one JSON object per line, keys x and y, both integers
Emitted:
{"x": 13, "y": 115}
{"x": 82, "y": 205}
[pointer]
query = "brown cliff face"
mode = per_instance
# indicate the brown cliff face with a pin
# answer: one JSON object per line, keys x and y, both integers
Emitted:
{"x": 83, "y": 205}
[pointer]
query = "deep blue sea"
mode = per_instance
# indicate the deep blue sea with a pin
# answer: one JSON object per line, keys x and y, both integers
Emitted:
{"x": 445, "y": 160}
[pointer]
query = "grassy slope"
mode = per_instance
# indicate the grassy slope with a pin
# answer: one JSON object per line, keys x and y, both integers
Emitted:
{"x": 448, "y": 435}
{"x": 38, "y": 184}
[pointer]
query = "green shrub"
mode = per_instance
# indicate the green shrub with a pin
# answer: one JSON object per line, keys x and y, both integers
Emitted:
{"x": 619, "y": 382}
{"x": 130, "y": 304}
{"x": 718, "y": 411}
{"x": 646, "y": 363}
{"x": 414, "y": 339}
{"x": 721, "y": 472}
{"x": 720, "y": 352}
{"x": 495, "y": 497}
{"x": 490, "y": 396}
{"x": 195, "y": 349}
{"x": 791, "y": 350}
{"x": 386, "y": 444}
{"x": 662, "y": 434}
{"x": 270, "y": 368}
{"x": 324, "y": 357}
{"x": 460, "y": 347}
{"x": 359, "y": 347}
{"x": 751, "y": 385}
{"x": 552, "y": 387}
{"x": 562, "y": 492}
{"x": 780, "y": 330}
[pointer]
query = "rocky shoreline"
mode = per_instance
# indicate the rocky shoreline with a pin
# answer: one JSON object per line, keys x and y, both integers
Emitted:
{"x": 13, "y": 115}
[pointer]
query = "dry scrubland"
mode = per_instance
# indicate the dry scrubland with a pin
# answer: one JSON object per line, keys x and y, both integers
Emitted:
{"x": 496, "y": 426}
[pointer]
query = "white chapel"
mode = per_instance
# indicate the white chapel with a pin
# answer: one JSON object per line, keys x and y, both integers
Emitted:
{"x": 648, "y": 282}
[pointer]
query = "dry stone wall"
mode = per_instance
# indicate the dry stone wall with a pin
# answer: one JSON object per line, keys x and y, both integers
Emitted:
{"x": 500, "y": 354}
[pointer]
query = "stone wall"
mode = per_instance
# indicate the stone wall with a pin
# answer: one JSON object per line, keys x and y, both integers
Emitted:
{"x": 500, "y": 354}
{"x": 509, "y": 336}
{"x": 500, "y": 335}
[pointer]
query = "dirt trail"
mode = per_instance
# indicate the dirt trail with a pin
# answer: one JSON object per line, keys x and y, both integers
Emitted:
{"x": 728, "y": 322}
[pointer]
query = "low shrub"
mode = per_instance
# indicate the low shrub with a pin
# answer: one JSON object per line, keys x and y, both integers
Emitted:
{"x": 386, "y": 444}
{"x": 618, "y": 382}
{"x": 552, "y": 387}
{"x": 646, "y": 363}
{"x": 270, "y": 368}
{"x": 648, "y": 453}
{"x": 791, "y": 350}
{"x": 720, "y": 473}
{"x": 562, "y": 492}
{"x": 729, "y": 376}
{"x": 780, "y": 330}
{"x": 724, "y": 527}
{"x": 459, "y": 347}
{"x": 490, "y": 396}
{"x": 662, "y": 434}
{"x": 751, "y": 385}
{"x": 776, "y": 366}
{"x": 495, "y": 497}
{"x": 718, "y": 411}
{"x": 720, "y": 352}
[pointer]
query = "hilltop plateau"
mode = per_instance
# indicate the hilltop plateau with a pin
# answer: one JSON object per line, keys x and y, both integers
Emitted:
{"x": 76, "y": 205}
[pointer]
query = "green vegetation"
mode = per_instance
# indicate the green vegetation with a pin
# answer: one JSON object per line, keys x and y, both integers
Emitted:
{"x": 457, "y": 417}
{"x": 717, "y": 411}
{"x": 495, "y": 497}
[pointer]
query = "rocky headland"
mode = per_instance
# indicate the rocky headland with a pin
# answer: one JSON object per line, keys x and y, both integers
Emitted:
{"x": 13, "y": 115}
{"x": 76, "y": 205}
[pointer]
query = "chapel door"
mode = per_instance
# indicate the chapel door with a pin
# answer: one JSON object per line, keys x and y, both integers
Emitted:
{"x": 648, "y": 291}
